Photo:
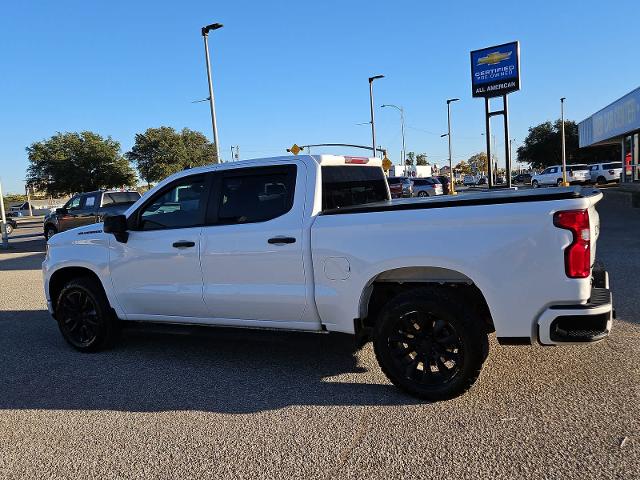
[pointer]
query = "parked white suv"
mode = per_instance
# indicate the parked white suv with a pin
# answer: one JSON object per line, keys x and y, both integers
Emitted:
{"x": 308, "y": 243}
{"x": 576, "y": 174}
{"x": 606, "y": 172}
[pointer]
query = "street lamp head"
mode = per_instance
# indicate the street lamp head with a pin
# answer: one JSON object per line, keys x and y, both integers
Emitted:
{"x": 208, "y": 28}
{"x": 563, "y": 99}
{"x": 451, "y": 100}
{"x": 375, "y": 77}
{"x": 444, "y": 135}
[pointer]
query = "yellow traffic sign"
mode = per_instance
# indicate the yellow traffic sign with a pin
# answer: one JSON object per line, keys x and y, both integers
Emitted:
{"x": 295, "y": 149}
{"x": 386, "y": 164}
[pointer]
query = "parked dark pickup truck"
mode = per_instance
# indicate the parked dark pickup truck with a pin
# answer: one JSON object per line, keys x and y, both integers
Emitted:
{"x": 88, "y": 208}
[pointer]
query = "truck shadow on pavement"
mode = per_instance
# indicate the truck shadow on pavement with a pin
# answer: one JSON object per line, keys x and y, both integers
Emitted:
{"x": 203, "y": 369}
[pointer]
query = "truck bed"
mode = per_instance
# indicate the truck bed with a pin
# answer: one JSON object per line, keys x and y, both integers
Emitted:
{"x": 484, "y": 198}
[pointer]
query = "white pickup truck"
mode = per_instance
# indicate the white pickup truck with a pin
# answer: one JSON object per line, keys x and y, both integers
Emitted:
{"x": 308, "y": 243}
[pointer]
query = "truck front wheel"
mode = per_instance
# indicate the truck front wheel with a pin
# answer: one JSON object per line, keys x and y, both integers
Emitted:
{"x": 428, "y": 345}
{"x": 84, "y": 316}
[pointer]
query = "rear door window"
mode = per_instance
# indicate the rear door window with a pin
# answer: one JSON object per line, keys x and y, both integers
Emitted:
{"x": 259, "y": 195}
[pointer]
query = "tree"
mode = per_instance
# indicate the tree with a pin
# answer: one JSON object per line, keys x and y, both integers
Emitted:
{"x": 411, "y": 156}
{"x": 463, "y": 167}
{"x": 77, "y": 162}
{"x": 421, "y": 159}
{"x": 159, "y": 152}
{"x": 478, "y": 162}
{"x": 543, "y": 146}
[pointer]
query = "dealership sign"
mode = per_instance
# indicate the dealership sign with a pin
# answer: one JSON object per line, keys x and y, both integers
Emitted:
{"x": 495, "y": 71}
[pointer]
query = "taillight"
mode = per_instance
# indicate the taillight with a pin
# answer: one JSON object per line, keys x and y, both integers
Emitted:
{"x": 577, "y": 256}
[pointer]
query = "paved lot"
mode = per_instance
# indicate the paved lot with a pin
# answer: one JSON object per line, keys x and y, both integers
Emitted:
{"x": 236, "y": 404}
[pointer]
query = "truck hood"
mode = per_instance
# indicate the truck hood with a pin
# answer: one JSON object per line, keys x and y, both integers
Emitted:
{"x": 78, "y": 235}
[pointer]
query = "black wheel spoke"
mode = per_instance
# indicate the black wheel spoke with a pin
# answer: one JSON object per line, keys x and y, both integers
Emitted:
{"x": 80, "y": 319}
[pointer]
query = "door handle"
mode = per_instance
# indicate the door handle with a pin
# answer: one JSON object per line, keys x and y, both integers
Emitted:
{"x": 281, "y": 240}
{"x": 184, "y": 244}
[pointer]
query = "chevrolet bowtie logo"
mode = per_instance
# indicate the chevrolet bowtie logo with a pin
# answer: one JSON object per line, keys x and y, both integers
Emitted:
{"x": 493, "y": 58}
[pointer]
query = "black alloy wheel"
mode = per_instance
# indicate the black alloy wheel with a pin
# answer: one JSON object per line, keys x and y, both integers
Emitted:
{"x": 83, "y": 315}
{"x": 426, "y": 348}
{"x": 428, "y": 344}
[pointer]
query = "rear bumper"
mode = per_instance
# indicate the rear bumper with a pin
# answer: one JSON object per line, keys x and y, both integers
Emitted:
{"x": 580, "y": 323}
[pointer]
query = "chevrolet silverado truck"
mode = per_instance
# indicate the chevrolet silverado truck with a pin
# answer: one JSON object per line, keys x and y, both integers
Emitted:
{"x": 308, "y": 243}
{"x": 87, "y": 208}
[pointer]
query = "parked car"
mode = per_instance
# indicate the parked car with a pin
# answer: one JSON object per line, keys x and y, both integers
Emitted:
{"x": 306, "y": 243}
{"x": 469, "y": 180}
{"x": 482, "y": 181}
{"x": 400, "y": 186}
{"x": 445, "y": 181}
{"x": 11, "y": 223}
{"x": 426, "y": 187}
{"x": 576, "y": 174}
{"x": 522, "y": 178}
{"x": 87, "y": 208}
{"x": 22, "y": 210}
{"x": 605, "y": 172}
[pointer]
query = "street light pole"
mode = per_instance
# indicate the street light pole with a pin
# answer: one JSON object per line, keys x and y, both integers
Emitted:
{"x": 403, "y": 153}
{"x": 452, "y": 188}
{"x": 564, "y": 152}
{"x": 205, "y": 36}
{"x": 373, "y": 126}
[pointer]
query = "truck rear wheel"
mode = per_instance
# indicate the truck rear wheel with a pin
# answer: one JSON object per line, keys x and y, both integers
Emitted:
{"x": 84, "y": 315}
{"x": 428, "y": 345}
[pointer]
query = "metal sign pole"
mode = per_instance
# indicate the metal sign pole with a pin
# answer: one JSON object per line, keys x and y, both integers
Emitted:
{"x": 488, "y": 138}
{"x": 507, "y": 142}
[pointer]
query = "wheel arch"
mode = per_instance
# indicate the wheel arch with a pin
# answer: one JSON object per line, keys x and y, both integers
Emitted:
{"x": 387, "y": 284}
{"x": 62, "y": 276}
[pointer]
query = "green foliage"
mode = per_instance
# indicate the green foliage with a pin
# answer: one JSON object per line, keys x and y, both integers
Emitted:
{"x": 463, "y": 167}
{"x": 77, "y": 162}
{"x": 543, "y": 146}
{"x": 159, "y": 152}
{"x": 477, "y": 163}
{"x": 410, "y": 158}
{"x": 421, "y": 159}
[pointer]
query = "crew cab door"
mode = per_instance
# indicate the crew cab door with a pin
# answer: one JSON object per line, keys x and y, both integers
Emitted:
{"x": 69, "y": 219}
{"x": 156, "y": 273}
{"x": 86, "y": 214}
{"x": 252, "y": 247}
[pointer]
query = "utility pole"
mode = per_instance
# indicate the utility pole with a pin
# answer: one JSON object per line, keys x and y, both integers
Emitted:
{"x": 373, "y": 125}
{"x": 403, "y": 153}
{"x": 205, "y": 36}
{"x": 564, "y": 151}
{"x": 3, "y": 225}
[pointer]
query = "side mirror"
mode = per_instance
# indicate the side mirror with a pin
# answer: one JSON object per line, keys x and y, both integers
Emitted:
{"x": 116, "y": 224}
{"x": 61, "y": 211}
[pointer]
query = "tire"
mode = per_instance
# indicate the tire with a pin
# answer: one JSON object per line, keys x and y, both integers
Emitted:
{"x": 423, "y": 194}
{"x": 601, "y": 180}
{"x": 453, "y": 343}
{"x": 9, "y": 228}
{"x": 559, "y": 182}
{"x": 535, "y": 184}
{"x": 50, "y": 231}
{"x": 84, "y": 316}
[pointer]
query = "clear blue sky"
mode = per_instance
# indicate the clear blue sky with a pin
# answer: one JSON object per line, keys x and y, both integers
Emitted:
{"x": 288, "y": 72}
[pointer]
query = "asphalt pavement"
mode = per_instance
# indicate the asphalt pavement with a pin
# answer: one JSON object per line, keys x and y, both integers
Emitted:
{"x": 213, "y": 403}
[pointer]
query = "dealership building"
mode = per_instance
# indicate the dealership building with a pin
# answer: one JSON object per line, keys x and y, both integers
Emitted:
{"x": 617, "y": 124}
